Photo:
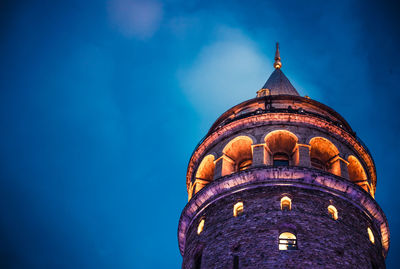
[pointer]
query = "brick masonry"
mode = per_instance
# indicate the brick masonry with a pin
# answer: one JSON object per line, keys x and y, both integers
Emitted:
{"x": 253, "y": 236}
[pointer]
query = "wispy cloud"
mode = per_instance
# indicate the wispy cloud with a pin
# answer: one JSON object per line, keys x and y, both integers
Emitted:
{"x": 227, "y": 71}
{"x": 136, "y": 18}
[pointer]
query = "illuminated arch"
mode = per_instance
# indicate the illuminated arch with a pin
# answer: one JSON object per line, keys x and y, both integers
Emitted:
{"x": 239, "y": 152}
{"x": 323, "y": 155}
{"x": 287, "y": 241}
{"x": 356, "y": 170}
{"x": 238, "y": 209}
{"x": 200, "y": 227}
{"x": 371, "y": 235}
{"x": 281, "y": 145}
{"x": 286, "y": 203}
{"x": 281, "y": 141}
{"x": 204, "y": 174}
{"x": 357, "y": 173}
{"x": 333, "y": 212}
{"x": 205, "y": 171}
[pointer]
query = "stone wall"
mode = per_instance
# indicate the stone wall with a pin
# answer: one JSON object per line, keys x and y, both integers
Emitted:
{"x": 253, "y": 237}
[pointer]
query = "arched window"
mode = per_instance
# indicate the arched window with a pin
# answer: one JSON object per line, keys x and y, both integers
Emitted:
{"x": 357, "y": 173}
{"x": 197, "y": 259}
{"x": 204, "y": 174}
{"x": 235, "y": 262}
{"x": 280, "y": 159}
{"x": 201, "y": 226}
{"x": 286, "y": 203}
{"x": 205, "y": 171}
{"x": 287, "y": 241}
{"x": 324, "y": 155}
{"x": 281, "y": 145}
{"x": 371, "y": 235}
{"x": 245, "y": 165}
{"x": 333, "y": 212}
{"x": 238, "y": 209}
{"x": 237, "y": 155}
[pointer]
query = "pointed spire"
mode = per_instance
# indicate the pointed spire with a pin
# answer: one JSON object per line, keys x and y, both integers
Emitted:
{"x": 277, "y": 63}
{"x": 277, "y": 83}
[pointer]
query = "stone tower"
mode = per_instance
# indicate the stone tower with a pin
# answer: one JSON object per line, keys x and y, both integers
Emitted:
{"x": 282, "y": 181}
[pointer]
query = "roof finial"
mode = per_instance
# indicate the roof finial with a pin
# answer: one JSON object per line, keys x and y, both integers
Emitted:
{"x": 277, "y": 63}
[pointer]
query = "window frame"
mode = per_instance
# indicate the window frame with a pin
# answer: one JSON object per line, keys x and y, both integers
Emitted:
{"x": 286, "y": 199}
{"x": 333, "y": 212}
{"x": 238, "y": 209}
{"x": 287, "y": 243}
{"x": 280, "y": 159}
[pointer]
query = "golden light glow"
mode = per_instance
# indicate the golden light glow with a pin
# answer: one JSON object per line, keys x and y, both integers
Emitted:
{"x": 371, "y": 235}
{"x": 238, "y": 209}
{"x": 198, "y": 185}
{"x": 240, "y": 145}
{"x": 287, "y": 241}
{"x": 239, "y": 151}
{"x": 201, "y": 226}
{"x": 204, "y": 175}
{"x": 245, "y": 165}
{"x": 263, "y": 92}
{"x": 323, "y": 153}
{"x": 205, "y": 171}
{"x": 281, "y": 141}
{"x": 333, "y": 211}
{"x": 283, "y": 117}
{"x": 286, "y": 203}
{"x": 356, "y": 170}
{"x": 277, "y": 63}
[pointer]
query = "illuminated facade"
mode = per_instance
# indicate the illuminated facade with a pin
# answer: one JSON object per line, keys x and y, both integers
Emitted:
{"x": 282, "y": 181}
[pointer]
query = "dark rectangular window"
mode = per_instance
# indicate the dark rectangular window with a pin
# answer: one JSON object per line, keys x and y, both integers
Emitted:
{"x": 281, "y": 159}
{"x": 197, "y": 260}
{"x": 235, "y": 262}
{"x": 281, "y": 163}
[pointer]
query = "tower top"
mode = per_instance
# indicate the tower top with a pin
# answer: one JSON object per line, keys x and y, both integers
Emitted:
{"x": 277, "y": 83}
{"x": 277, "y": 63}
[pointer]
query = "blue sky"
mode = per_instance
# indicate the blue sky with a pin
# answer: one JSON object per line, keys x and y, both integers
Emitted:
{"x": 103, "y": 102}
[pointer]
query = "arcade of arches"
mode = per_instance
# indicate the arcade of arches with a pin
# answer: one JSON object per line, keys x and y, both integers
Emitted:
{"x": 280, "y": 148}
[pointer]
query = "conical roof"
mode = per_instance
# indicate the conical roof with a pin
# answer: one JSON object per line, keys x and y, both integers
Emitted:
{"x": 278, "y": 84}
